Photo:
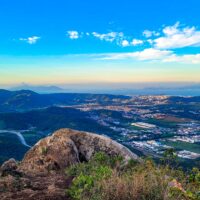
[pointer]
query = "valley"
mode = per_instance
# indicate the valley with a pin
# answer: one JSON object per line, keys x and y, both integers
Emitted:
{"x": 148, "y": 125}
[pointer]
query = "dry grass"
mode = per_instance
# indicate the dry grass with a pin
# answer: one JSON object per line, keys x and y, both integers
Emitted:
{"x": 139, "y": 186}
{"x": 147, "y": 183}
{"x": 99, "y": 179}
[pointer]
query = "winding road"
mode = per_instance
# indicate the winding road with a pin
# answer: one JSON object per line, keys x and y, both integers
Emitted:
{"x": 18, "y": 134}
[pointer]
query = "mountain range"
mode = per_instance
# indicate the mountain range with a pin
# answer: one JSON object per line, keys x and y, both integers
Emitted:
{"x": 38, "y": 88}
{"x": 23, "y": 100}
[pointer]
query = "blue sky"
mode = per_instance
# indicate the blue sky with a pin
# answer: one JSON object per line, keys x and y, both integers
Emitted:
{"x": 58, "y": 42}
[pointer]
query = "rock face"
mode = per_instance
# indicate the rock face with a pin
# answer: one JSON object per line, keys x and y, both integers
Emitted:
{"x": 66, "y": 147}
{"x": 88, "y": 144}
{"x": 40, "y": 175}
{"x": 53, "y": 153}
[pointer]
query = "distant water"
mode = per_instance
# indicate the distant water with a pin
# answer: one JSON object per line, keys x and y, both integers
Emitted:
{"x": 145, "y": 91}
{"x": 155, "y": 91}
{"x": 19, "y": 135}
{"x": 170, "y": 92}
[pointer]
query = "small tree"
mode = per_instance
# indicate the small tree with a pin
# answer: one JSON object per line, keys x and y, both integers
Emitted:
{"x": 170, "y": 157}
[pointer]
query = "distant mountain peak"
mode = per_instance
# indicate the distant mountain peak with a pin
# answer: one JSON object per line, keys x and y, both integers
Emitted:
{"x": 38, "y": 88}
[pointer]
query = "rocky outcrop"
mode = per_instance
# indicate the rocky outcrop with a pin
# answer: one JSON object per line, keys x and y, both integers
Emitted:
{"x": 8, "y": 167}
{"x": 88, "y": 144}
{"x": 66, "y": 147}
{"x": 52, "y": 153}
{"x": 40, "y": 175}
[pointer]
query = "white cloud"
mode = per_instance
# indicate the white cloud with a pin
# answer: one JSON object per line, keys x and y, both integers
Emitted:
{"x": 188, "y": 58}
{"x": 73, "y": 35}
{"x": 146, "y": 54}
{"x": 148, "y": 33}
{"x": 150, "y": 41}
{"x": 171, "y": 37}
{"x": 171, "y": 30}
{"x": 136, "y": 42}
{"x": 109, "y": 37}
{"x": 152, "y": 54}
{"x": 117, "y": 37}
{"x": 30, "y": 40}
{"x": 177, "y": 37}
{"x": 125, "y": 43}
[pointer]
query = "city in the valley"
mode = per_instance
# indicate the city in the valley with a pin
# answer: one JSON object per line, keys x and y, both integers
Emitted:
{"x": 148, "y": 125}
{"x": 152, "y": 124}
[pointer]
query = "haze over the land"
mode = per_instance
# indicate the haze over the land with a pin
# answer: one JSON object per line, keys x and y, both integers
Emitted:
{"x": 153, "y": 88}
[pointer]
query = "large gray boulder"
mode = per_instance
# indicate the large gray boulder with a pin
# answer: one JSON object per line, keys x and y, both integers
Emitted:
{"x": 66, "y": 147}
{"x": 89, "y": 143}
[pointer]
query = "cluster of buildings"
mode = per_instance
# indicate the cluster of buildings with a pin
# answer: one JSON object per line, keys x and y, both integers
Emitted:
{"x": 191, "y": 128}
{"x": 188, "y": 154}
{"x": 189, "y": 139}
{"x": 149, "y": 146}
{"x": 143, "y": 125}
{"x": 156, "y": 148}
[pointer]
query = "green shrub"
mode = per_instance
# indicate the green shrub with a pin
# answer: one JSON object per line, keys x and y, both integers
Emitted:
{"x": 80, "y": 184}
{"x": 107, "y": 178}
{"x": 88, "y": 174}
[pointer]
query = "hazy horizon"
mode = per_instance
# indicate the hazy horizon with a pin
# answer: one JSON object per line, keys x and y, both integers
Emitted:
{"x": 135, "y": 85}
{"x": 171, "y": 89}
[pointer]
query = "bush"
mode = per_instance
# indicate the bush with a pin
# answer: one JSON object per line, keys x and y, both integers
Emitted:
{"x": 87, "y": 175}
{"x": 81, "y": 184}
{"x": 106, "y": 178}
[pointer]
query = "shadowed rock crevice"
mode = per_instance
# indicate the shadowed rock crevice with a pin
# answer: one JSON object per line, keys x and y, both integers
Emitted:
{"x": 82, "y": 158}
